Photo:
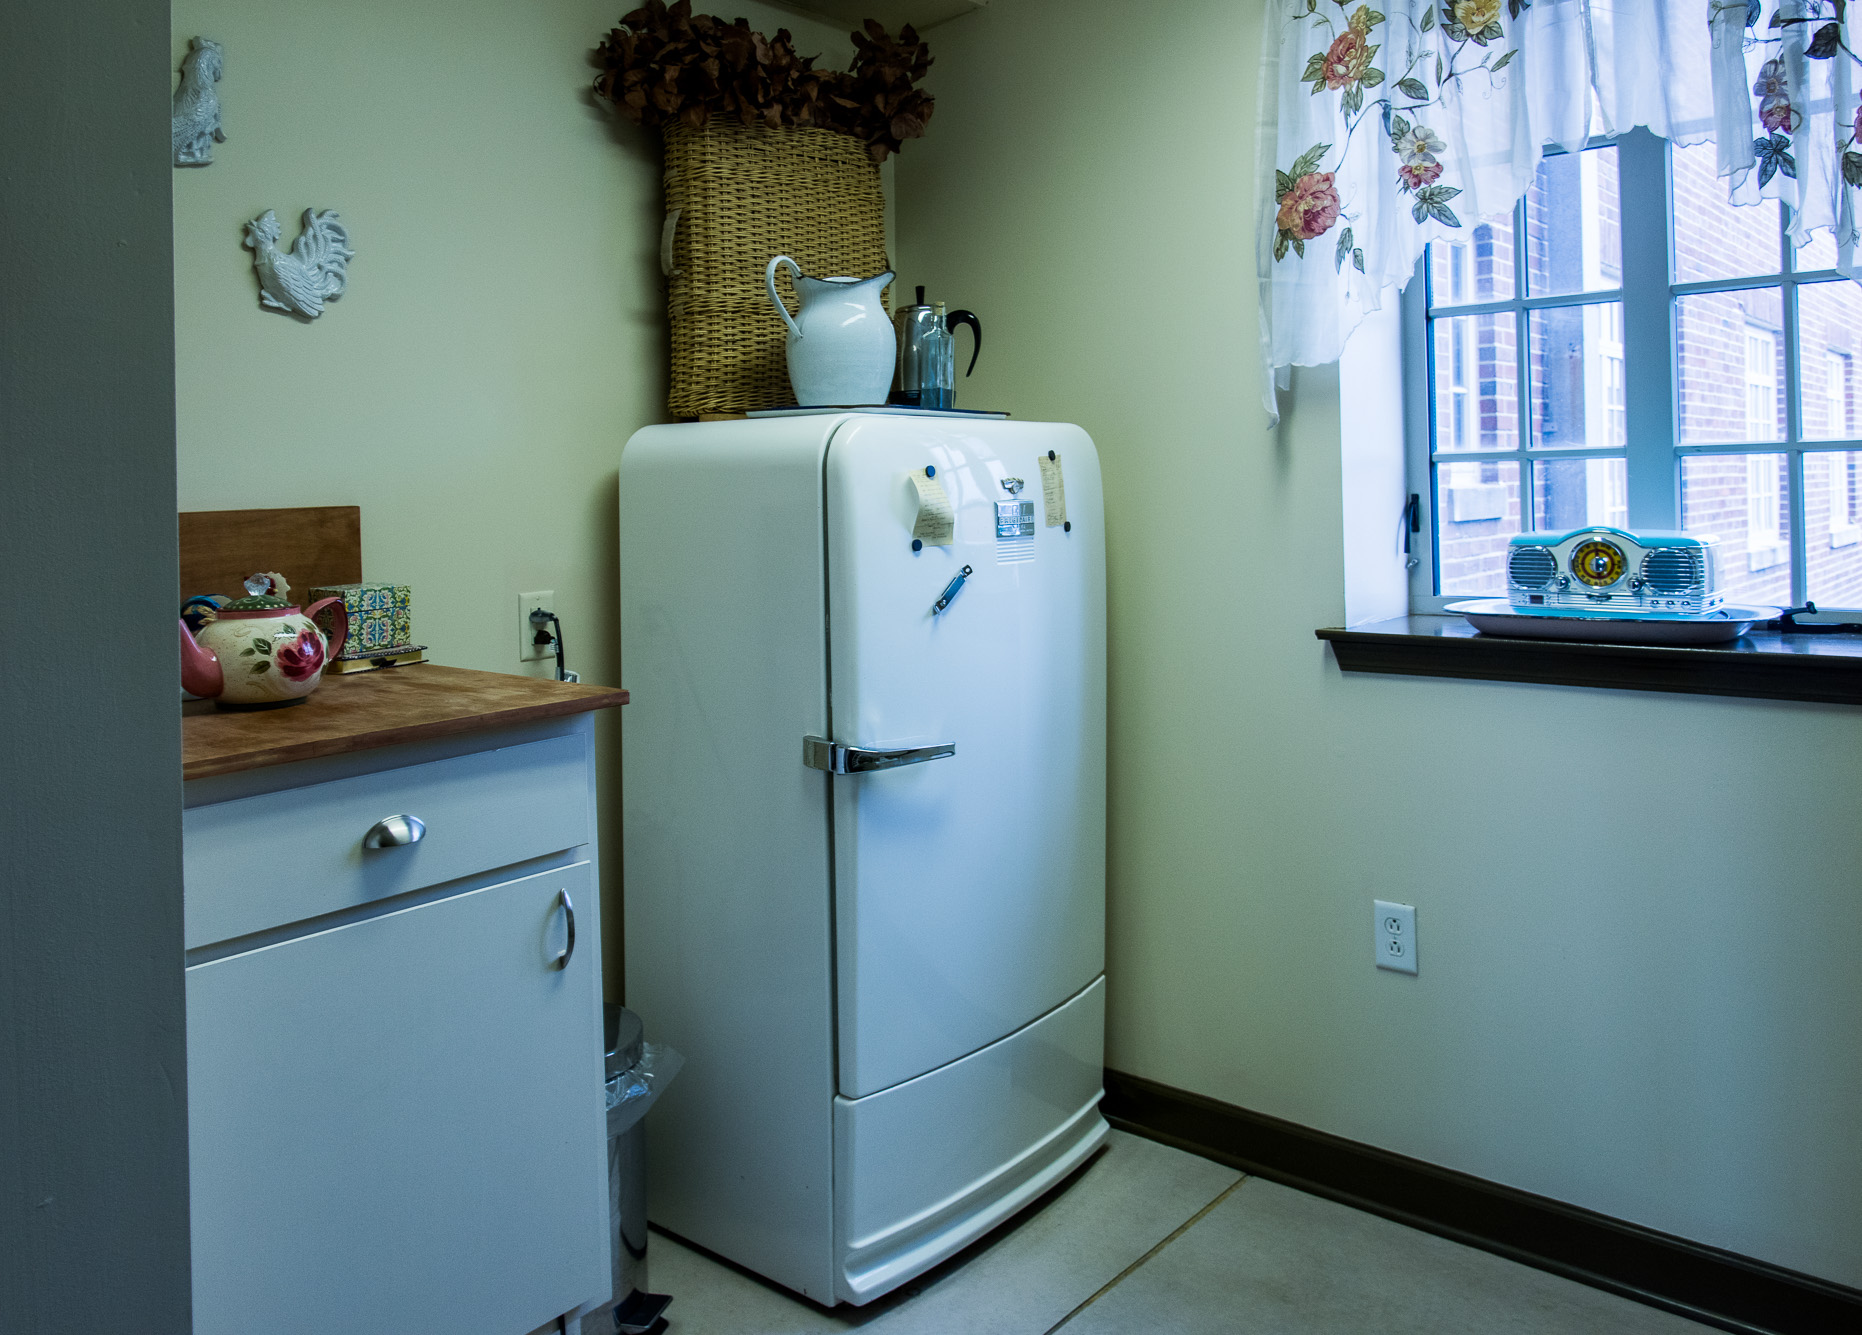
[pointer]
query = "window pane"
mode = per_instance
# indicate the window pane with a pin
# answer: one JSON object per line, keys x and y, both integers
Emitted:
{"x": 1476, "y": 382}
{"x": 1573, "y": 241}
{"x": 1575, "y": 493}
{"x": 1714, "y": 239}
{"x": 1833, "y": 528}
{"x": 1731, "y": 365}
{"x": 1829, "y": 337}
{"x": 1478, "y": 267}
{"x": 1745, "y": 500}
{"x": 1577, "y": 371}
{"x": 1477, "y": 510}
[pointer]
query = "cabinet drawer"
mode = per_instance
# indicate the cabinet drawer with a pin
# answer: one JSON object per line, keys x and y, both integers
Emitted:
{"x": 261, "y": 862}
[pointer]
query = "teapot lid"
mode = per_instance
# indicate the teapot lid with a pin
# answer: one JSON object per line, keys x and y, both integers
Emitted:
{"x": 265, "y": 592}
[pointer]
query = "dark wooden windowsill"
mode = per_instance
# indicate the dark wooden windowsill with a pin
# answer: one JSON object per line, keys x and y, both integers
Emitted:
{"x": 1825, "y": 667}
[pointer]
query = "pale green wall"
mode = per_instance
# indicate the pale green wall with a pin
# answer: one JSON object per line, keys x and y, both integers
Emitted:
{"x": 1638, "y": 913}
{"x": 504, "y": 328}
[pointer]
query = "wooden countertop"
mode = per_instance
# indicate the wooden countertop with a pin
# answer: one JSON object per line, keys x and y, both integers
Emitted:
{"x": 370, "y": 709}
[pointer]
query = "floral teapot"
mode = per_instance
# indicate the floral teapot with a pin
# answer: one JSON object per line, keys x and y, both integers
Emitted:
{"x": 260, "y": 652}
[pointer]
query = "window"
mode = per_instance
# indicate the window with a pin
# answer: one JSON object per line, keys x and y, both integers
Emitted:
{"x": 1627, "y": 348}
{"x": 1613, "y": 397}
{"x": 1836, "y": 395}
{"x": 1839, "y": 470}
{"x": 1761, "y": 383}
{"x": 1764, "y": 519}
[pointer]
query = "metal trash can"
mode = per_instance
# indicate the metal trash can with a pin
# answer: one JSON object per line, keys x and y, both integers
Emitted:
{"x": 636, "y": 1073}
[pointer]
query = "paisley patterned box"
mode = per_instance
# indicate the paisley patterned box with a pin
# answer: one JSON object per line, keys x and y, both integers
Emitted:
{"x": 379, "y": 616}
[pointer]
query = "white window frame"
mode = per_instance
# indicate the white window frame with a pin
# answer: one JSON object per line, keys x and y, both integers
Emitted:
{"x": 1652, "y": 450}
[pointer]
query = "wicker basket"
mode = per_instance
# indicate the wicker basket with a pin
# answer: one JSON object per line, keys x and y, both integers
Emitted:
{"x": 744, "y": 195}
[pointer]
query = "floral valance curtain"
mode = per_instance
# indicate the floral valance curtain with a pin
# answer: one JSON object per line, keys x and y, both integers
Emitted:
{"x": 1385, "y": 128}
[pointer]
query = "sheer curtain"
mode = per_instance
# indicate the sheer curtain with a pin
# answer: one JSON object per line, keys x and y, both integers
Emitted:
{"x": 1383, "y": 130}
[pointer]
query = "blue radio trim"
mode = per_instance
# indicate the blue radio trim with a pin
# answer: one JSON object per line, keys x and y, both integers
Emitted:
{"x": 1655, "y": 539}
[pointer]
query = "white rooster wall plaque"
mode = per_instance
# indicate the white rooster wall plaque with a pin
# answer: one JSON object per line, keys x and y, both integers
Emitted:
{"x": 312, "y": 272}
{"x": 197, "y": 104}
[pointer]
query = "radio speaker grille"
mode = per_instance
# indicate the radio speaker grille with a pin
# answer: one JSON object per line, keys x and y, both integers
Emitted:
{"x": 1531, "y": 567}
{"x": 1674, "y": 570}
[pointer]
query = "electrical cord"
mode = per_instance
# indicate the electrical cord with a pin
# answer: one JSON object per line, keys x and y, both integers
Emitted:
{"x": 540, "y": 618}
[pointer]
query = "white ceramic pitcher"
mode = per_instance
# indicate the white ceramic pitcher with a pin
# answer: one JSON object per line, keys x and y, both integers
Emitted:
{"x": 841, "y": 345}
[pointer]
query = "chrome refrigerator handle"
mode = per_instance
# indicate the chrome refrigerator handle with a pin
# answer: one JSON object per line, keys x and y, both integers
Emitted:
{"x": 820, "y": 753}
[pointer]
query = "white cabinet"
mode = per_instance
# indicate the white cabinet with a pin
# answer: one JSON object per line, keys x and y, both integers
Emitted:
{"x": 394, "y": 1095}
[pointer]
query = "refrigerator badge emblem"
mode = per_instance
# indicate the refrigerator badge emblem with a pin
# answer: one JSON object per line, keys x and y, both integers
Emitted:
{"x": 1014, "y": 518}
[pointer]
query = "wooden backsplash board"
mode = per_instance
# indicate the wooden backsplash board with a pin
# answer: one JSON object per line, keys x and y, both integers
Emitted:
{"x": 309, "y": 546}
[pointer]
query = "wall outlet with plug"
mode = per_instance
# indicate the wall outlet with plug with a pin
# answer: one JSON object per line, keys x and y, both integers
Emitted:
{"x": 528, "y": 650}
{"x": 1395, "y": 936}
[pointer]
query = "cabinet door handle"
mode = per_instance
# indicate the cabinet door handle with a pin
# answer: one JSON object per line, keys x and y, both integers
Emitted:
{"x": 395, "y": 832}
{"x": 568, "y": 908}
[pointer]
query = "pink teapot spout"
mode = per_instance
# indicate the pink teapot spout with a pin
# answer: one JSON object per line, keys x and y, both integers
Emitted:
{"x": 200, "y": 667}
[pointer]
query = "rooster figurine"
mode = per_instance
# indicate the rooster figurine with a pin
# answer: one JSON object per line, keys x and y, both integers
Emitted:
{"x": 312, "y": 273}
{"x": 197, "y": 105}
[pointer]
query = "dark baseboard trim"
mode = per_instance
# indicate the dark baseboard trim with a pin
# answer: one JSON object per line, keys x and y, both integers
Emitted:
{"x": 1707, "y": 1284}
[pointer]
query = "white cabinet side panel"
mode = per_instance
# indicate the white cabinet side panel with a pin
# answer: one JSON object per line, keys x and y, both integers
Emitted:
{"x": 725, "y": 833}
{"x": 970, "y": 891}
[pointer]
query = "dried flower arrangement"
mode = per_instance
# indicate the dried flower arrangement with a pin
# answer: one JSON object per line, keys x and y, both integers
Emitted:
{"x": 666, "y": 66}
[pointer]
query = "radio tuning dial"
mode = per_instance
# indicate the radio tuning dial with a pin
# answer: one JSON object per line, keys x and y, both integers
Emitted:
{"x": 1598, "y": 563}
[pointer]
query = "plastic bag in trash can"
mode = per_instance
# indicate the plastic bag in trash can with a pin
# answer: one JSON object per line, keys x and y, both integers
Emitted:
{"x": 636, "y": 1089}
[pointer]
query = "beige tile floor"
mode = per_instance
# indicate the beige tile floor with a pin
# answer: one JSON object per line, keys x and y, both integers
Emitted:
{"x": 1150, "y": 1239}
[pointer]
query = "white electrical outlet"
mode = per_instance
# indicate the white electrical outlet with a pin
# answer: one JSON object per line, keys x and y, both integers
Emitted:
{"x": 1395, "y": 936}
{"x": 528, "y": 650}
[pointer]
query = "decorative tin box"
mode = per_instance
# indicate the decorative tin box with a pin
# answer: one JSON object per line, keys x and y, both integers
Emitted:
{"x": 1609, "y": 572}
{"x": 380, "y": 618}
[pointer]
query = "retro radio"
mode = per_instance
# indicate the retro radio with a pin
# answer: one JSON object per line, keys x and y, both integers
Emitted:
{"x": 1607, "y": 571}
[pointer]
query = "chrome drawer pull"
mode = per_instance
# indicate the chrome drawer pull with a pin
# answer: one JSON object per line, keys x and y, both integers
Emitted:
{"x": 568, "y": 908}
{"x": 395, "y": 832}
{"x": 837, "y": 758}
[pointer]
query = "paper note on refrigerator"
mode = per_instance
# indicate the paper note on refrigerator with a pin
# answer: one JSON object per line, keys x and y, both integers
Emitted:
{"x": 1053, "y": 490}
{"x": 937, "y": 521}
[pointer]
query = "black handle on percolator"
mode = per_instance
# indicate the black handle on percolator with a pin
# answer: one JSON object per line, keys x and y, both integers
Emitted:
{"x": 956, "y": 318}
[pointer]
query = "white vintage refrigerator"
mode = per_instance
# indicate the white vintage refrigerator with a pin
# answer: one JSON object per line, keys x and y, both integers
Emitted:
{"x": 889, "y": 984}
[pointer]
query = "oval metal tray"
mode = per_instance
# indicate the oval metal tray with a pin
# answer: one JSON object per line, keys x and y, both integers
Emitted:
{"x": 1496, "y": 616}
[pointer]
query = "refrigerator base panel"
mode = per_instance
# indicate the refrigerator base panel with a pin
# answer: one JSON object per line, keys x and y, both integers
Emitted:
{"x": 925, "y": 1168}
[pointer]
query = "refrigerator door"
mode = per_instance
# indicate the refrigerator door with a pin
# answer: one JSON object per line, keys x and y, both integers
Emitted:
{"x": 969, "y": 887}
